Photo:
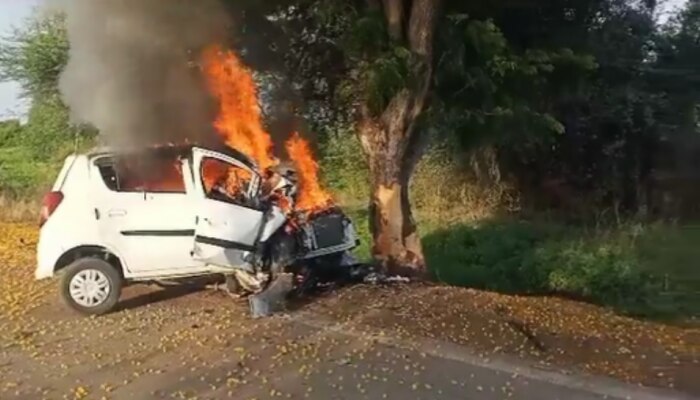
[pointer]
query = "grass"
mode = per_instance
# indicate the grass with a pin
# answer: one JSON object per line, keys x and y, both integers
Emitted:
{"x": 13, "y": 209}
{"x": 645, "y": 271}
{"x": 529, "y": 258}
{"x": 23, "y": 179}
{"x": 672, "y": 254}
{"x": 22, "y": 174}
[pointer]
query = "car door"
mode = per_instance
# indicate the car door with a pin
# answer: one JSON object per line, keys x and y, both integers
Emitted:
{"x": 151, "y": 227}
{"x": 228, "y": 225}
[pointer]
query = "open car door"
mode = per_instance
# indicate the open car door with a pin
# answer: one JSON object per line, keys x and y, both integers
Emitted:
{"x": 228, "y": 223}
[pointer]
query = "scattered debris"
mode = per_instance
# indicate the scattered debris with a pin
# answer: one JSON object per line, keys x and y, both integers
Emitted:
{"x": 375, "y": 278}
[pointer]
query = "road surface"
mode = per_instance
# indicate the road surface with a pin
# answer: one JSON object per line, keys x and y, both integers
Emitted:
{"x": 194, "y": 348}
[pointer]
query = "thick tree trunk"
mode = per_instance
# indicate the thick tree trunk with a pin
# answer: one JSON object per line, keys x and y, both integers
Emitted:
{"x": 392, "y": 143}
{"x": 396, "y": 244}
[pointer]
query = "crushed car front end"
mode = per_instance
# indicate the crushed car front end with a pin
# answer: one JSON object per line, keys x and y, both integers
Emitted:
{"x": 330, "y": 232}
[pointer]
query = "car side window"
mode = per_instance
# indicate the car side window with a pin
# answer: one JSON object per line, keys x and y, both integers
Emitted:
{"x": 227, "y": 182}
{"x": 144, "y": 175}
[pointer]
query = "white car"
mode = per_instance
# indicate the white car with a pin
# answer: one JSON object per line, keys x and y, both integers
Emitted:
{"x": 166, "y": 213}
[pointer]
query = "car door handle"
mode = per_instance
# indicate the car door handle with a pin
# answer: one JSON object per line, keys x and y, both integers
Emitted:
{"x": 116, "y": 213}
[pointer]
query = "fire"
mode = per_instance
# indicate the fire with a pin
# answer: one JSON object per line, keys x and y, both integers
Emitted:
{"x": 216, "y": 173}
{"x": 239, "y": 121}
{"x": 311, "y": 196}
{"x": 151, "y": 175}
{"x": 240, "y": 124}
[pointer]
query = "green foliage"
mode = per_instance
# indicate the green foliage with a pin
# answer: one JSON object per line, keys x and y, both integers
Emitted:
{"x": 605, "y": 273}
{"x": 492, "y": 257}
{"x": 10, "y": 130}
{"x": 21, "y": 174}
{"x": 360, "y": 219}
{"x": 35, "y": 54}
{"x": 344, "y": 166}
{"x": 490, "y": 92}
{"x": 625, "y": 268}
{"x": 384, "y": 77}
{"x": 367, "y": 36}
{"x": 31, "y": 154}
{"x": 379, "y": 67}
{"x": 671, "y": 253}
{"x": 48, "y": 128}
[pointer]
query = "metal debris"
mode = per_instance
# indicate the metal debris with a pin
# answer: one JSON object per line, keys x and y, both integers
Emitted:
{"x": 273, "y": 298}
{"x": 376, "y": 278}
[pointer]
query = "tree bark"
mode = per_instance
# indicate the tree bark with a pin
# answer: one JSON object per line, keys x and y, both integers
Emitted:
{"x": 394, "y": 10}
{"x": 396, "y": 244}
{"x": 392, "y": 143}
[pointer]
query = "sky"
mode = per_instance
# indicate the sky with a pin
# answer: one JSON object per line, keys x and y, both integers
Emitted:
{"x": 13, "y": 12}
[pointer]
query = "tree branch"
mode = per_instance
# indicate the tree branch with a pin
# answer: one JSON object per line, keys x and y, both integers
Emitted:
{"x": 394, "y": 14}
{"x": 421, "y": 27}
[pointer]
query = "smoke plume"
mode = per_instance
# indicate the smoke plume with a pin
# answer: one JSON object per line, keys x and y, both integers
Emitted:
{"x": 133, "y": 72}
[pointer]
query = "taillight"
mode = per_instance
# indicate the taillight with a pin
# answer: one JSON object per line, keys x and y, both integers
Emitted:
{"x": 49, "y": 205}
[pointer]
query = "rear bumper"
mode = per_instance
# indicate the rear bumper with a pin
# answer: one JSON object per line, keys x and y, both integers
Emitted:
{"x": 47, "y": 255}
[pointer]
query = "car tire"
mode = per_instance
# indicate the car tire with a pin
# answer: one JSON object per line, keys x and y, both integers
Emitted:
{"x": 91, "y": 286}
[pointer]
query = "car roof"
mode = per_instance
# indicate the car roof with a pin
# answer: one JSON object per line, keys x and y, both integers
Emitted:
{"x": 174, "y": 150}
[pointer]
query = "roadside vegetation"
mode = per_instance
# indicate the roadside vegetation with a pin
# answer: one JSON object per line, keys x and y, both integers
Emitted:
{"x": 480, "y": 237}
{"x": 558, "y": 194}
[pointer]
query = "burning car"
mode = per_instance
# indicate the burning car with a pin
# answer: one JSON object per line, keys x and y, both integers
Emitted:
{"x": 174, "y": 212}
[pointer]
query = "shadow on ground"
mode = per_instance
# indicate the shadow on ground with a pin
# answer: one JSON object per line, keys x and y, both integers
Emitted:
{"x": 143, "y": 296}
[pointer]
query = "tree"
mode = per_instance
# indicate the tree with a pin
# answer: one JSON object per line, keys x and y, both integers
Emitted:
{"x": 590, "y": 56}
{"x": 370, "y": 62}
{"x": 35, "y": 54}
{"x": 389, "y": 124}
{"x": 399, "y": 70}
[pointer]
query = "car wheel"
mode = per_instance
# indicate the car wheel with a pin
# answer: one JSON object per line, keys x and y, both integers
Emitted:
{"x": 90, "y": 286}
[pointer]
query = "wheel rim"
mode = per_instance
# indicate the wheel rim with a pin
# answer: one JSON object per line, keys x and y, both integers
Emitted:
{"x": 89, "y": 288}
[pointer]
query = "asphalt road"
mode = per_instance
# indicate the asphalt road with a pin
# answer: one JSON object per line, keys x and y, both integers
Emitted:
{"x": 307, "y": 358}
{"x": 353, "y": 365}
{"x": 193, "y": 348}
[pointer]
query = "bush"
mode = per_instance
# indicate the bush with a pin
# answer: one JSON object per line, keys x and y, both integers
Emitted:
{"x": 604, "y": 273}
{"x": 32, "y": 154}
{"x": 344, "y": 167}
{"x": 527, "y": 258}
{"x": 21, "y": 174}
{"x": 492, "y": 256}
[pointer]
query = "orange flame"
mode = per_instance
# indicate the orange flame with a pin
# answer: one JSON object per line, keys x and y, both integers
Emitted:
{"x": 239, "y": 121}
{"x": 233, "y": 180}
{"x": 311, "y": 196}
{"x": 163, "y": 176}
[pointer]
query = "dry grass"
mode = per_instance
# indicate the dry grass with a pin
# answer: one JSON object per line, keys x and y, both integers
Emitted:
{"x": 19, "y": 209}
{"x": 440, "y": 201}
{"x": 442, "y": 193}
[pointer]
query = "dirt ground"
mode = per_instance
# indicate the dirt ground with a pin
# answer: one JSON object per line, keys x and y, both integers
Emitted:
{"x": 48, "y": 352}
